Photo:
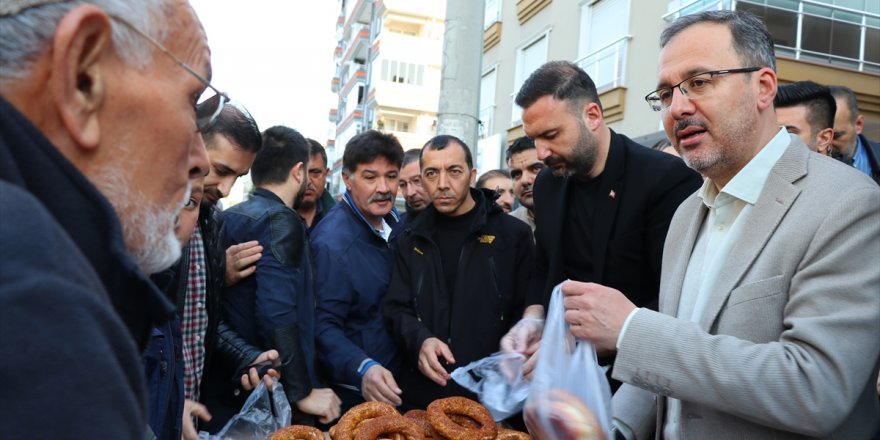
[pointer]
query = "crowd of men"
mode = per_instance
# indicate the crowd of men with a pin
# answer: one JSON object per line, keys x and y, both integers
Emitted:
{"x": 733, "y": 292}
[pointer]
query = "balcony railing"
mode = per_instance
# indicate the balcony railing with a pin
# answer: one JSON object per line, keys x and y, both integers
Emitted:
{"x": 607, "y": 66}
{"x": 515, "y": 111}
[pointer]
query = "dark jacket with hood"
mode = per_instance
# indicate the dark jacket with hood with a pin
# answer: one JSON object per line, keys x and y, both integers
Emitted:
{"x": 494, "y": 268}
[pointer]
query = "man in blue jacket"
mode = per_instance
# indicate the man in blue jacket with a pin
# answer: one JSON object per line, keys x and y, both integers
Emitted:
{"x": 274, "y": 308}
{"x": 353, "y": 260}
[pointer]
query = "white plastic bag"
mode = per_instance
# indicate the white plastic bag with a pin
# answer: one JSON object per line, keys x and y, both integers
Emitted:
{"x": 498, "y": 382}
{"x": 262, "y": 414}
{"x": 569, "y": 387}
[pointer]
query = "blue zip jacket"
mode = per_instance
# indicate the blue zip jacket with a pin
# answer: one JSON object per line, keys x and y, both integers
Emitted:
{"x": 352, "y": 270}
{"x": 280, "y": 294}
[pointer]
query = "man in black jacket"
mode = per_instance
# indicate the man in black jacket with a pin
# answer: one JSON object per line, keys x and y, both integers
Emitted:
{"x": 459, "y": 279}
{"x": 602, "y": 206}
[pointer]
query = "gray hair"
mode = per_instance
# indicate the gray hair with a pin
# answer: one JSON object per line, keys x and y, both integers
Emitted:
{"x": 751, "y": 40}
{"x": 25, "y": 35}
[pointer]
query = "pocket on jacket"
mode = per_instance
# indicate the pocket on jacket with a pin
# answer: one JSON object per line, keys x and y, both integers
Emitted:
{"x": 756, "y": 290}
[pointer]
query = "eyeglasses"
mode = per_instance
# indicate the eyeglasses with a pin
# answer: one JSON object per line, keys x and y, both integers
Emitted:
{"x": 207, "y": 110}
{"x": 694, "y": 87}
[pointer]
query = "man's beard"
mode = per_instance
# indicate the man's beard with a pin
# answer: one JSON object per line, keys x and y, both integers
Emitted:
{"x": 148, "y": 230}
{"x": 583, "y": 155}
{"x": 298, "y": 200}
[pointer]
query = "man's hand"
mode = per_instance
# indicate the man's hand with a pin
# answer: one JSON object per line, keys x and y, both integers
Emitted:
{"x": 240, "y": 259}
{"x": 429, "y": 360}
{"x": 378, "y": 384}
{"x": 595, "y": 313}
{"x": 524, "y": 337}
{"x": 193, "y": 409}
{"x": 321, "y": 402}
{"x": 252, "y": 379}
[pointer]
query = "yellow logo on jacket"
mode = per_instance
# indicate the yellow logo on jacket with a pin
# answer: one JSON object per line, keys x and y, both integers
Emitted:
{"x": 486, "y": 239}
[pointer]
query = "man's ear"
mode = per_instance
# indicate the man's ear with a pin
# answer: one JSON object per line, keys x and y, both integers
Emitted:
{"x": 299, "y": 173}
{"x": 473, "y": 176}
{"x": 767, "y": 86}
{"x": 860, "y": 124}
{"x": 823, "y": 140}
{"x": 80, "y": 48}
{"x": 592, "y": 115}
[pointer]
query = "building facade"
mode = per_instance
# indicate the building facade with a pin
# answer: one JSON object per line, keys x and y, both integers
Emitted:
{"x": 388, "y": 60}
{"x": 617, "y": 43}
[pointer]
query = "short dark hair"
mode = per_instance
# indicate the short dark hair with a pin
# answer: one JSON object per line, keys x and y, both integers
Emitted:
{"x": 367, "y": 146}
{"x": 237, "y": 126}
{"x": 848, "y": 96}
{"x": 563, "y": 80}
{"x": 315, "y": 147}
{"x": 751, "y": 40}
{"x": 283, "y": 148}
{"x": 410, "y": 156}
{"x": 442, "y": 141}
{"x": 519, "y": 145}
{"x": 491, "y": 174}
{"x": 815, "y": 97}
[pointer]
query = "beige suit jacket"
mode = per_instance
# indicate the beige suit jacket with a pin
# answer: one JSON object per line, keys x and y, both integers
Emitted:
{"x": 788, "y": 346}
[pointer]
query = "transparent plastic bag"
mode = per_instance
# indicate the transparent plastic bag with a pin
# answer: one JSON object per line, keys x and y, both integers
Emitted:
{"x": 262, "y": 414}
{"x": 498, "y": 382}
{"x": 569, "y": 393}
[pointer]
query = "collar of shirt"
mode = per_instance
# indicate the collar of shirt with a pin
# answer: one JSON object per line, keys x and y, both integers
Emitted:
{"x": 747, "y": 184}
{"x": 860, "y": 158}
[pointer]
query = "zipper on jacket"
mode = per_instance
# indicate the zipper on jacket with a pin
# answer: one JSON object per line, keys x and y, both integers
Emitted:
{"x": 493, "y": 276}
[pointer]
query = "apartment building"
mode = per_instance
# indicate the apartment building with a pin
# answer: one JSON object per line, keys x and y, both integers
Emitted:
{"x": 388, "y": 60}
{"x": 616, "y": 42}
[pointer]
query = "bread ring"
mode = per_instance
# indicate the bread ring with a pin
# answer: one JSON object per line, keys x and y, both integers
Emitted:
{"x": 386, "y": 425}
{"x": 420, "y": 416}
{"x": 510, "y": 434}
{"x": 439, "y": 412}
{"x": 463, "y": 420}
{"x": 297, "y": 432}
{"x": 349, "y": 423}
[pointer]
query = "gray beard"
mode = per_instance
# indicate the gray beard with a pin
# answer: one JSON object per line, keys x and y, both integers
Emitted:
{"x": 142, "y": 222}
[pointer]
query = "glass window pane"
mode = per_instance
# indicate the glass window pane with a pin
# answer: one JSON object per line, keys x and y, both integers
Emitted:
{"x": 791, "y": 5}
{"x": 420, "y": 79}
{"x": 848, "y": 17}
{"x": 781, "y": 24}
{"x": 384, "y": 70}
{"x": 394, "y": 74}
{"x": 411, "y": 77}
{"x": 845, "y": 39}
{"x": 872, "y": 45}
{"x": 816, "y": 35}
{"x": 820, "y": 11}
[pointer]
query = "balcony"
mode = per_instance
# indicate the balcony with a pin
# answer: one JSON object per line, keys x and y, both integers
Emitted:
{"x": 607, "y": 65}
{"x": 333, "y": 116}
{"x": 334, "y": 84}
{"x": 487, "y": 121}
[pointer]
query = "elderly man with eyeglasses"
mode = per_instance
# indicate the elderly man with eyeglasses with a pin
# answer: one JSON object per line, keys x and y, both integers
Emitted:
{"x": 99, "y": 135}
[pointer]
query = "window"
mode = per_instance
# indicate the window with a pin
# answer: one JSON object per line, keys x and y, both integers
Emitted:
{"x": 528, "y": 58}
{"x": 487, "y": 102}
{"x": 491, "y": 12}
{"x": 831, "y": 31}
{"x": 604, "y": 35}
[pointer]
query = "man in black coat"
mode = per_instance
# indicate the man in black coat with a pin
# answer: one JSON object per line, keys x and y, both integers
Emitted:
{"x": 602, "y": 206}
{"x": 460, "y": 276}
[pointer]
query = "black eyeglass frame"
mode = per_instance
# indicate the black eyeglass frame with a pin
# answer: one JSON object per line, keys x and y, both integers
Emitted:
{"x": 655, "y": 95}
{"x": 206, "y": 112}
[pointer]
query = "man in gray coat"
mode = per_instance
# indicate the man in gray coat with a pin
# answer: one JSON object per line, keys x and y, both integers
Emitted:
{"x": 769, "y": 309}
